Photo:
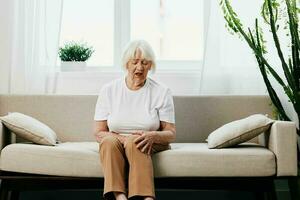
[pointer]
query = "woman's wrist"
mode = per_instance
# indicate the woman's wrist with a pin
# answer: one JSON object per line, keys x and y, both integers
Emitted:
{"x": 162, "y": 137}
{"x": 155, "y": 136}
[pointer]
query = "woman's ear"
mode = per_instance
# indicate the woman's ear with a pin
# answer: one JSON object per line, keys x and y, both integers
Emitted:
{"x": 151, "y": 67}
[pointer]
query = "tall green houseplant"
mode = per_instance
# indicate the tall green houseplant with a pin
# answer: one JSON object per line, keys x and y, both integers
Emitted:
{"x": 254, "y": 38}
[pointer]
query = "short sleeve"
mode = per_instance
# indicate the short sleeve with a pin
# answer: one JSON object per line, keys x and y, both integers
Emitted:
{"x": 166, "y": 112}
{"x": 102, "y": 105}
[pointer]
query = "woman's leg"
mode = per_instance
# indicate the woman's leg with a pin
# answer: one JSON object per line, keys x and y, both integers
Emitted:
{"x": 140, "y": 178}
{"x": 112, "y": 156}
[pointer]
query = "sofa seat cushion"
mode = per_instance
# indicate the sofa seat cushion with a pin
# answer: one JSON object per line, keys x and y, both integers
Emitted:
{"x": 65, "y": 159}
{"x": 196, "y": 159}
{"x": 82, "y": 159}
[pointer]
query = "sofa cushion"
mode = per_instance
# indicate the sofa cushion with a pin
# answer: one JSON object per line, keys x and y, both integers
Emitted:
{"x": 81, "y": 159}
{"x": 65, "y": 159}
{"x": 29, "y": 128}
{"x": 239, "y": 131}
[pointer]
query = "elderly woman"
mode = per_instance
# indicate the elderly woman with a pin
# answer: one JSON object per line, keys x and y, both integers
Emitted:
{"x": 134, "y": 118}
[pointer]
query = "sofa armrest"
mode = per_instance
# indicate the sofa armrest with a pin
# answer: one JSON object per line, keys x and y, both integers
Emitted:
{"x": 281, "y": 139}
{"x": 6, "y": 137}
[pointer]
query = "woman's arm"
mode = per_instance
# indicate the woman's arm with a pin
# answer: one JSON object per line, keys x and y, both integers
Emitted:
{"x": 166, "y": 133}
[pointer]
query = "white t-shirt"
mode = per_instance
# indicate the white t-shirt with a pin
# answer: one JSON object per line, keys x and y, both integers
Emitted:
{"x": 128, "y": 110}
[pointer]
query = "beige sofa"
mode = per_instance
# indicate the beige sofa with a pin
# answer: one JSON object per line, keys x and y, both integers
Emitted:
{"x": 189, "y": 163}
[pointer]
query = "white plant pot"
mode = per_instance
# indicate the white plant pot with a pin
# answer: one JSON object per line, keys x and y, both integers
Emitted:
{"x": 72, "y": 66}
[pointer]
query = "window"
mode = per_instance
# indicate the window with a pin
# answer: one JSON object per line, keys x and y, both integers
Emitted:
{"x": 174, "y": 28}
{"x": 90, "y": 21}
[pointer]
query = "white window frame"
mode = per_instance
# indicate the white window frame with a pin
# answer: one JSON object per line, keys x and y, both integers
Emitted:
{"x": 122, "y": 36}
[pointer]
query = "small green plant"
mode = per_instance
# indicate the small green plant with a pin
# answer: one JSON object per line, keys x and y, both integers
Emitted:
{"x": 74, "y": 51}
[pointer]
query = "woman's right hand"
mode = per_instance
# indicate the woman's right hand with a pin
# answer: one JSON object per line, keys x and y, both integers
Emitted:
{"x": 101, "y": 135}
{"x": 121, "y": 138}
{"x": 100, "y": 130}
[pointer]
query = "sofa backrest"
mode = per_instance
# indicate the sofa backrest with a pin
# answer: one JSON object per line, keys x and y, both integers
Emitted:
{"x": 71, "y": 116}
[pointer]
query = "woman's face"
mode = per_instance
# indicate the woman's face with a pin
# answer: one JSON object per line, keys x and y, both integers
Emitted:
{"x": 138, "y": 67}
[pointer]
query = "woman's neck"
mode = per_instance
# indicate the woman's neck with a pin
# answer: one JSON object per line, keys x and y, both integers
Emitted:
{"x": 134, "y": 84}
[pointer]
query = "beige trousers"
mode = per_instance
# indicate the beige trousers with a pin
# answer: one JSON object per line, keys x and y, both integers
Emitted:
{"x": 119, "y": 162}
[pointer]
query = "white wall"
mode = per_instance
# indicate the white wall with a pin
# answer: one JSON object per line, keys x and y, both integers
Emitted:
{"x": 183, "y": 83}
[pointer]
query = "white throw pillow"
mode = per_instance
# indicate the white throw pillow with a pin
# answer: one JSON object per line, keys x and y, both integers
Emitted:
{"x": 29, "y": 128}
{"x": 239, "y": 131}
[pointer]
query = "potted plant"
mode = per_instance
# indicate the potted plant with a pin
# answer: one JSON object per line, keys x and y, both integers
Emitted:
{"x": 291, "y": 66}
{"x": 254, "y": 38}
{"x": 73, "y": 56}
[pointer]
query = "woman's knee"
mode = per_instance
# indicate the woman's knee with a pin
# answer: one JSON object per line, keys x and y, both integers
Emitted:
{"x": 109, "y": 141}
{"x": 130, "y": 141}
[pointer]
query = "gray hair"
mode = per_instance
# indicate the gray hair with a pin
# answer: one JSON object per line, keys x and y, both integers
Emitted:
{"x": 144, "y": 47}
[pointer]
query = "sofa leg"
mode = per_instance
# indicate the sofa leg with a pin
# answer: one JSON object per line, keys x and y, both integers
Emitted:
{"x": 271, "y": 192}
{"x": 294, "y": 188}
{"x": 3, "y": 190}
{"x": 271, "y": 196}
{"x": 259, "y": 196}
{"x": 14, "y": 195}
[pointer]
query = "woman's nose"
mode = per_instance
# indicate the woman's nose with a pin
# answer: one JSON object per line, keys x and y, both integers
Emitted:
{"x": 139, "y": 65}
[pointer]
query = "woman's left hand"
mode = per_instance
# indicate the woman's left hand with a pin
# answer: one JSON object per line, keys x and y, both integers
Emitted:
{"x": 145, "y": 140}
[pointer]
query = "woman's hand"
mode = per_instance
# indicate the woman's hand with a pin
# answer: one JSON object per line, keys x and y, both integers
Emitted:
{"x": 100, "y": 130}
{"x": 100, "y": 136}
{"x": 145, "y": 140}
{"x": 122, "y": 139}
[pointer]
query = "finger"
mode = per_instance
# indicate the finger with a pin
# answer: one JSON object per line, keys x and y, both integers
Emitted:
{"x": 138, "y": 132}
{"x": 145, "y": 148}
{"x": 151, "y": 145}
{"x": 125, "y": 140}
{"x": 98, "y": 138}
{"x": 121, "y": 140}
{"x": 139, "y": 139}
{"x": 150, "y": 149}
{"x": 141, "y": 144}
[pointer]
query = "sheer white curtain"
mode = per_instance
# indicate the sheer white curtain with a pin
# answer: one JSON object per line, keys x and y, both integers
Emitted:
{"x": 32, "y": 46}
{"x": 229, "y": 64}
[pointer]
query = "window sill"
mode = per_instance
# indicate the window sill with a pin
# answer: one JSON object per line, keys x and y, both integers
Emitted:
{"x": 177, "y": 67}
{"x": 89, "y": 82}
